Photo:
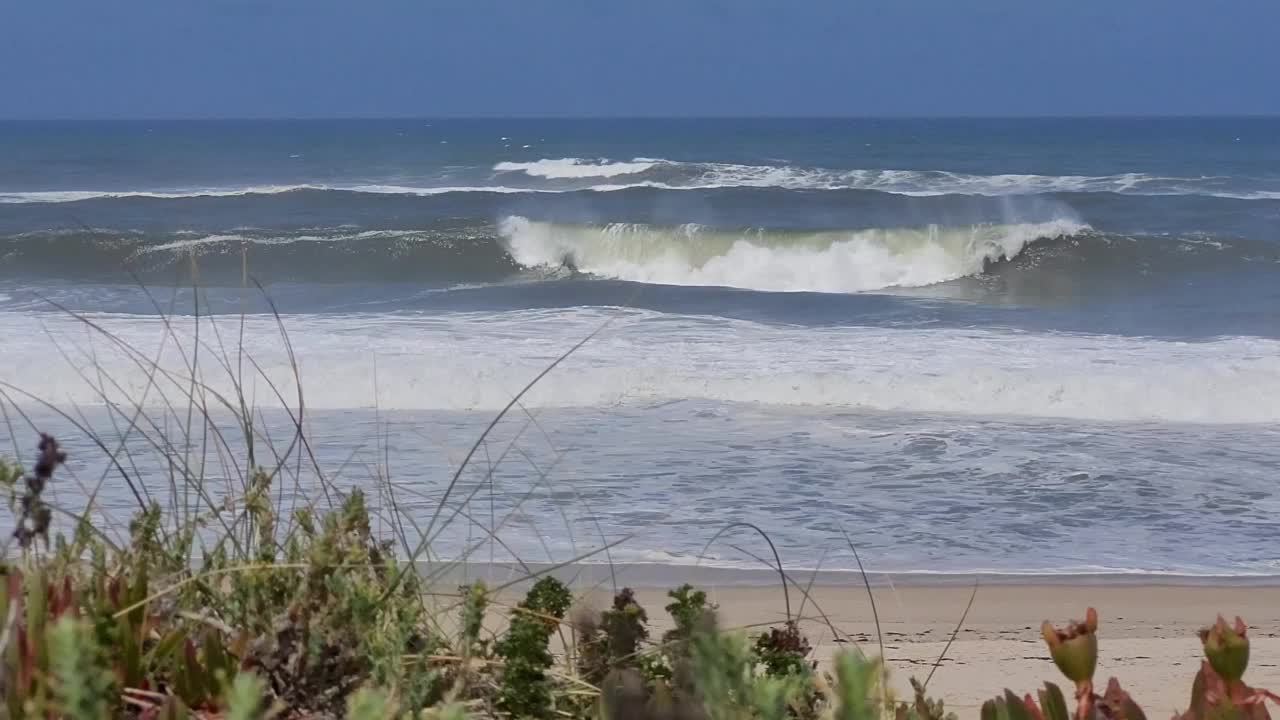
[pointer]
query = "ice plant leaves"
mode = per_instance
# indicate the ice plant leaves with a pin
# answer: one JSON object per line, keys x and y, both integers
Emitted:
{"x": 1227, "y": 648}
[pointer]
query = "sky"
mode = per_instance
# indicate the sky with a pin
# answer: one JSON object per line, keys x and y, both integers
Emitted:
{"x": 439, "y": 58}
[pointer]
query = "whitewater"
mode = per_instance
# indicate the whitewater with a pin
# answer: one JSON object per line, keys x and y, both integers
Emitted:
{"x": 477, "y": 362}
{"x": 833, "y": 261}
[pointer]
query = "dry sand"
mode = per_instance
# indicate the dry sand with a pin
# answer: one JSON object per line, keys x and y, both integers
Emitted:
{"x": 1147, "y": 634}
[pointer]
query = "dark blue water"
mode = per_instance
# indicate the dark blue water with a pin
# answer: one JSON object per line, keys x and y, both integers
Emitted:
{"x": 1038, "y": 309}
{"x": 161, "y": 155}
{"x": 1157, "y": 210}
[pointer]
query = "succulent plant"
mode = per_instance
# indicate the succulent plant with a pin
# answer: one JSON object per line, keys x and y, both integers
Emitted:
{"x": 1227, "y": 648}
{"x": 1075, "y": 652}
{"x": 1075, "y": 649}
{"x": 1219, "y": 690}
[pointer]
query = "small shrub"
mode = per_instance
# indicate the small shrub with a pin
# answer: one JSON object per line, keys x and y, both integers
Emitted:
{"x": 612, "y": 641}
{"x": 785, "y": 651}
{"x": 724, "y": 679}
{"x": 688, "y": 607}
{"x": 524, "y": 690}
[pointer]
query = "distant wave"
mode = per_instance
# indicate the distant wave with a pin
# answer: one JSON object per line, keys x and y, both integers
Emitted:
{"x": 563, "y": 175}
{"x": 66, "y": 196}
{"x": 832, "y": 261}
{"x": 674, "y": 175}
{"x": 195, "y": 242}
{"x": 447, "y": 253}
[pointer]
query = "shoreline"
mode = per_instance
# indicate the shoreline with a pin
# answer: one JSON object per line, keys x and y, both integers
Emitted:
{"x": 642, "y": 575}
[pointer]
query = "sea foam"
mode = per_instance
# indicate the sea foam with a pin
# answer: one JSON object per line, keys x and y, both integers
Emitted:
{"x": 464, "y": 361}
{"x": 577, "y": 168}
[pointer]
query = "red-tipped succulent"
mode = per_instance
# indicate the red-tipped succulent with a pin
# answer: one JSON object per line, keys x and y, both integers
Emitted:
{"x": 1075, "y": 651}
{"x": 1226, "y": 647}
{"x": 1220, "y": 688}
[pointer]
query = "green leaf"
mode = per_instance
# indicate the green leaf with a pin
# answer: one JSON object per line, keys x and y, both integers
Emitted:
{"x": 989, "y": 711}
{"x": 138, "y": 593}
{"x": 217, "y": 663}
{"x": 245, "y": 698}
{"x": 130, "y": 652}
{"x": 1016, "y": 709}
{"x": 166, "y": 647}
{"x": 1053, "y": 703}
{"x": 1002, "y": 709}
{"x": 190, "y": 677}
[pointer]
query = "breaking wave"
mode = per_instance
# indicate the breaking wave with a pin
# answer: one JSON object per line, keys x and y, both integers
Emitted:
{"x": 577, "y": 167}
{"x": 770, "y": 260}
{"x": 461, "y": 250}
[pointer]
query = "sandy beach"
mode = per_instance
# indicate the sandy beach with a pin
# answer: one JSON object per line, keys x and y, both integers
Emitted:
{"x": 1147, "y": 633}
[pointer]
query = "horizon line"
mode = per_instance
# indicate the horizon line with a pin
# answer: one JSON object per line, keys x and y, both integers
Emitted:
{"x": 624, "y": 117}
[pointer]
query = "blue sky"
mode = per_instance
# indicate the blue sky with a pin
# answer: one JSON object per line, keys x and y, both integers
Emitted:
{"x": 304, "y": 58}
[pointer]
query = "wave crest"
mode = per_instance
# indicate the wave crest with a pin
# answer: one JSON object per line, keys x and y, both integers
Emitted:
{"x": 780, "y": 261}
{"x": 564, "y": 168}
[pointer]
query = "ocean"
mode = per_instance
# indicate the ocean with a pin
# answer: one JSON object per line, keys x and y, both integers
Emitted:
{"x": 1011, "y": 347}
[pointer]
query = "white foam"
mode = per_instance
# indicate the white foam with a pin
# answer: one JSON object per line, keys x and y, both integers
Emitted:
{"x": 425, "y": 191}
{"x": 196, "y": 241}
{"x": 478, "y": 361}
{"x": 712, "y": 175}
{"x": 924, "y": 183}
{"x": 66, "y": 196}
{"x": 705, "y": 176}
{"x": 835, "y": 261}
{"x": 61, "y": 196}
{"x": 563, "y": 168}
